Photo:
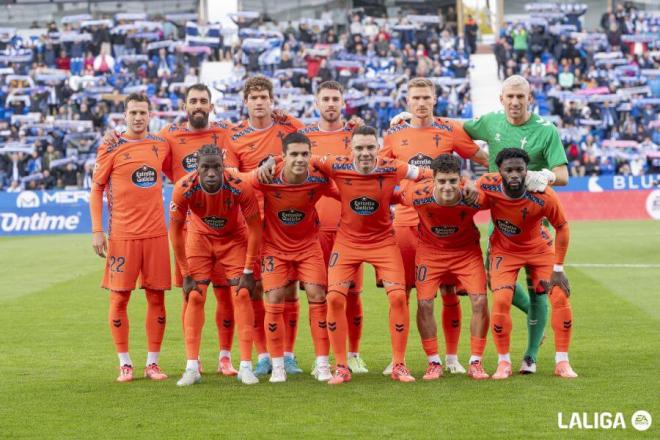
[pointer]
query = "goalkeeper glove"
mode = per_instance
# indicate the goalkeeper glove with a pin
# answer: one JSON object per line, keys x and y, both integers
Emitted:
{"x": 537, "y": 181}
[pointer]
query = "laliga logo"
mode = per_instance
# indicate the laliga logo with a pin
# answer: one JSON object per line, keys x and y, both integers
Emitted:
{"x": 27, "y": 199}
{"x": 641, "y": 420}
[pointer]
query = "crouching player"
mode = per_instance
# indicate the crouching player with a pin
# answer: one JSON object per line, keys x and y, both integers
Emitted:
{"x": 216, "y": 243}
{"x": 292, "y": 252}
{"x": 448, "y": 254}
{"x": 520, "y": 240}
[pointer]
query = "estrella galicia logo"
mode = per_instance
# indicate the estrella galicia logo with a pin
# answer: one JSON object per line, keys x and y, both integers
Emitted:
{"x": 291, "y": 216}
{"x": 145, "y": 176}
{"x": 364, "y": 205}
{"x": 507, "y": 228}
{"x": 444, "y": 230}
{"x": 189, "y": 162}
{"x": 420, "y": 160}
{"x": 215, "y": 222}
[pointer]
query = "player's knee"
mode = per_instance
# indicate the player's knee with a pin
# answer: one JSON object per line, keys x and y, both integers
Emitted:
{"x": 558, "y": 298}
{"x": 276, "y": 296}
{"x": 119, "y": 300}
{"x": 336, "y": 301}
{"x": 479, "y": 304}
{"x": 315, "y": 294}
{"x": 155, "y": 297}
{"x": 397, "y": 298}
{"x": 195, "y": 298}
{"x": 425, "y": 307}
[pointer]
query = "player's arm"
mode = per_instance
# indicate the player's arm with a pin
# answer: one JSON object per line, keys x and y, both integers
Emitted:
{"x": 557, "y": 172}
{"x": 412, "y": 172}
{"x": 557, "y": 218}
{"x": 100, "y": 177}
{"x": 250, "y": 209}
{"x": 463, "y": 144}
{"x": 178, "y": 209}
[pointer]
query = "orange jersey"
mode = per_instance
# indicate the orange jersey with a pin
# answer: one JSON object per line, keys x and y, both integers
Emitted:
{"x": 130, "y": 172}
{"x": 291, "y": 223}
{"x": 444, "y": 228}
{"x": 329, "y": 142}
{"x": 214, "y": 214}
{"x": 184, "y": 143}
{"x": 365, "y": 198}
{"x": 518, "y": 222}
{"x": 251, "y": 146}
{"x": 419, "y": 146}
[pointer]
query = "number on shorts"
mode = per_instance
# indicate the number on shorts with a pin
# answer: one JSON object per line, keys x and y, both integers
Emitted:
{"x": 421, "y": 273}
{"x": 333, "y": 259}
{"x": 498, "y": 261}
{"x": 117, "y": 263}
{"x": 267, "y": 264}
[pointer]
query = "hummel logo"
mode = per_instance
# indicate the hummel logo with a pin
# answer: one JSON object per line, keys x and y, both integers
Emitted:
{"x": 161, "y": 320}
{"x": 568, "y": 324}
{"x": 272, "y": 326}
{"x": 399, "y": 327}
{"x": 497, "y": 328}
{"x": 357, "y": 320}
{"x": 323, "y": 324}
{"x": 332, "y": 326}
{"x": 455, "y": 323}
{"x": 292, "y": 323}
{"x": 116, "y": 322}
{"x": 226, "y": 323}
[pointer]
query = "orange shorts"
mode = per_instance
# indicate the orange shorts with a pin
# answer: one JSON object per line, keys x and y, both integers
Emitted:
{"x": 345, "y": 260}
{"x": 504, "y": 267}
{"x": 407, "y": 238}
{"x": 147, "y": 258}
{"x": 279, "y": 269}
{"x": 463, "y": 267}
{"x": 327, "y": 241}
{"x": 219, "y": 260}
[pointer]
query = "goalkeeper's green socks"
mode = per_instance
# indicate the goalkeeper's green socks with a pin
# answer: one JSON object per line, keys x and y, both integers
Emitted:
{"x": 536, "y": 320}
{"x": 521, "y": 298}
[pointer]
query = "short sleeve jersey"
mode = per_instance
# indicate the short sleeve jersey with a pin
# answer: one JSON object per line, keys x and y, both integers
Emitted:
{"x": 443, "y": 228}
{"x": 538, "y": 137}
{"x": 419, "y": 146}
{"x": 184, "y": 144}
{"x": 290, "y": 219}
{"x": 365, "y": 220}
{"x": 329, "y": 142}
{"x": 214, "y": 214}
{"x": 130, "y": 172}
{"x": 518, "y": 222}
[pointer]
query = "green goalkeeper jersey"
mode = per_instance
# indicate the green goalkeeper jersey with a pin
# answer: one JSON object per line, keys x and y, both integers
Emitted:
{"x": 538, "y": 137}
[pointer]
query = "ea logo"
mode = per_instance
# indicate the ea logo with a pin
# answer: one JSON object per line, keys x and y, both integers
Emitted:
{"x": 27, "y": 199}
{"x": 641, "y": 420}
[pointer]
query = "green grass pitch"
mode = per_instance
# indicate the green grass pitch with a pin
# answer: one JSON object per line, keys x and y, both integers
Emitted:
{"x": 58, "y": 363}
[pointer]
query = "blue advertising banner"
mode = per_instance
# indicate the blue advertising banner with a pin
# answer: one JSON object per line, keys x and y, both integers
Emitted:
{"x": 50, "y": 212}
{"x": 611, "y": 183}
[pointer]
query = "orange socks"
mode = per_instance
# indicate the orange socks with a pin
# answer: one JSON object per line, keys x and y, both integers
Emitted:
{"x": 430, "y": 346}
{"x": 451, "y": 322}
{"x": 337, "y": 325}
{"x": 477, "y": 346}
{"x": 354, "y": 318}
{"x": 319, "y": 328}
{"x": 245, "y": 317}
{"x": 500, "y": 319}
{"x": 275, "y": 329}
{"x": 118, "y": 318}
{"x": 399, "y": 324}
{"x": 258, "y": 333}
{"x": 194, "y": 321}
{"x": 291, "y": 315}
{"x": 155, "y": 319}
{"x": 562, "y": 319}
{"x": 224, "y": 317}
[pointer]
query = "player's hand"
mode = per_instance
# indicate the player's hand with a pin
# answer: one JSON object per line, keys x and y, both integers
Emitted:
{"x": 99, "y": 244}
{"x": 266, "y": 171}
{"x": 279, "y": 115}
{"x": 111, "y": 137}
{"x": 248, "y": 282}
{"x": 401, "y": 117}
{"x": 538, "y": 181}
{"x": 188, "y": 286}
{"x": 355, "y": 122}
{"x": 559, "y": 279}
{"x": 470, "y": 193}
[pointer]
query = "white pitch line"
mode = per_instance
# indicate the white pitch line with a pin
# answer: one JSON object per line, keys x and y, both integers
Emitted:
{"x": 614, "y": 265}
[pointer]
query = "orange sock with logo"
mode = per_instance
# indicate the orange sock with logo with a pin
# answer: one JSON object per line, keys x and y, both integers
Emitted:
{"x": 156, "y": 319}
{"x": 259, "y": 334}
{"x": 118, "y": 319}
{"x": 244, "y": 315}
{"x": 194, "y": 321}
{"x": 337, "y": 325}
{"x": 275, "y": 329}
{"x": 354, "y": 319}
{"x": 224, "y": 317}
{"x": 451, "y": 322}
{"x": 291, "y": 316}
{"x": 500, "y": 319}
{"x": 399, "y": 324}
{"x": 562, "y": 319}
{"x": 319, "y": 328}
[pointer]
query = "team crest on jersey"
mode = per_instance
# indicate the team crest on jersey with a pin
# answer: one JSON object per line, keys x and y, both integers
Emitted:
{"x": 291, "y": 216}
{"x": 364, "y": 206}
{"x": 189, "y": 163}
{"x": 507, "y": 228}
{"x": 145, "y": 176}
{"x": 444, "y": 230}
{"x": 215, "y": 222}
{"x": 420, "y": 160}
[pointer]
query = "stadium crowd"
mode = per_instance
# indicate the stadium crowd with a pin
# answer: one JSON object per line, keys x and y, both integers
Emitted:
{"x": 60, "y": 89}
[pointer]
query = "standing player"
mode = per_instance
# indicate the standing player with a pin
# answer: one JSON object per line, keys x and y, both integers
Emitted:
{"x": 332, "y": 135}
{"x": 366, "y": 185}
{"x": 516, "y": 126}
{"x": 215, "y": 248}
{"x": 520, "y": 240}
{"x": 252, "y": 142}
{"x": 448, "y": 253}
{"x": 418, "y": 142}
{"x": 291, "y": 250}
{"x": 129, "y": 171}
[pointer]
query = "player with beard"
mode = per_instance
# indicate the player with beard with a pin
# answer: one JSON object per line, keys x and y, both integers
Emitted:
{"x": 185, "y": 139}
{"x": 520, "y": 240}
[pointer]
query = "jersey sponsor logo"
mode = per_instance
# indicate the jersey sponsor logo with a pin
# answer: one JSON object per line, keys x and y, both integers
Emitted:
{"x": 189, "y": 163}
{"x": 291, "y": 216}
{"x": 507, "y": 228}
{"x": 145, "y": 176}
{"x": 364, "y": 205}
{"x": 444, "y": 230}
{"x": 420, "y": 160}
{"x": 215, "y": 222}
